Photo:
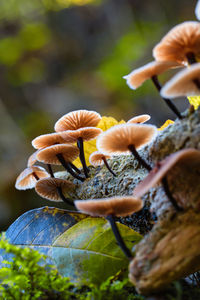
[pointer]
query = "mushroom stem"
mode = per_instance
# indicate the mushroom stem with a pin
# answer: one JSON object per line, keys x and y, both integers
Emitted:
{"x": 169, "y": 195}
{"x": 191, "y": 58}
{"x": 74, "y": 168}
{"x": 35, "y": 175}
{"x": 139, "y": 158}
{"x": 118, "y": 237}
{"x": 66, "y": 200}
{"x": 167, "y": 101}
{"x": 82, "y": 156}
{"x": 108, "y": 167}
{"x": 50, "y": 170}
{"x": 197, "y": 83}
{"x": 66, "y": 166}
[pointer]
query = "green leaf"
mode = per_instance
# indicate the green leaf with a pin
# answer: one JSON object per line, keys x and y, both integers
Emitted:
{"x": 82, "y": 247}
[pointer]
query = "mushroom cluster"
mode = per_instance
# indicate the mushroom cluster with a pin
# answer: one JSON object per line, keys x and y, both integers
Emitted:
{"x": 180, "y": 47}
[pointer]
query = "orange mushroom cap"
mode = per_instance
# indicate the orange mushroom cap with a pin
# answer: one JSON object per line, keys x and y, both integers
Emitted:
{"x": 96, "y": 158}
{"x": 139, "y": 119}
{"x": 86, "y": 133}
{"x": 138, "y": 76}
{"x": 48, "y": 155}
{"x": 182, "y": 83}
{"x": 32, "y": 159}
{"x": 46, "y": 140}
{"x": 26, "y": 179}
{"x": 117, "y": 139}
{"x": 47, "y": 188}
{"x": 118, "y": 206}
{"x": 77, "y": 119}
{"x": 178, "y": 42}
{"x": 188, "y": 156}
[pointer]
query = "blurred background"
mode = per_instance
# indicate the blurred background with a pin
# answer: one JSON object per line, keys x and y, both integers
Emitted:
{"x": 62, "y": 55}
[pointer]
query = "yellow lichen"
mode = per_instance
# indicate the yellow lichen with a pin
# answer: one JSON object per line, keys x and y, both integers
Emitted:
{"x": 167, "y": 123}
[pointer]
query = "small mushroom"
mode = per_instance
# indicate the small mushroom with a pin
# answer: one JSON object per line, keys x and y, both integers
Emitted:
{"x": 181, "y": 44}
{"x": 77, "y": 119}
{"x": 110, "y": 207}
{"x": 97, "y": 159}
{"x": 139, "y": 119}
{"x": 160, "y": 171}
{"x": 46, "y": 140}
{"x": 79, "y": 136}
{"x": 28, "y": 178}
{"x": 53, "y": 188}
{"x": 62, "y": 154}
{"x": 185, "y": 83}
{"x": 32, "y": 159}
{"x": 126, "y": 138}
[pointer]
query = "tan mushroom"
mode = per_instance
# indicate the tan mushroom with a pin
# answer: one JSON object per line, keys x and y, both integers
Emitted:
{"x": 181, "y": 44}
{"x": 126, "y": 138}
{"x": 54, "y": 189}
{"x": 139, "y": 119}
{"x": 28, "y": 178}
{"x": 185, "y": 83}
{"x": 46, "y": 140}
{"x": 77, "y": 119}
{"x": 97, "y": 159}
{"x": 32, "y": 159}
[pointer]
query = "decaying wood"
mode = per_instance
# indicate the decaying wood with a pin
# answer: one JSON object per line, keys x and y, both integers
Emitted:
{"x": 171, "y": 249}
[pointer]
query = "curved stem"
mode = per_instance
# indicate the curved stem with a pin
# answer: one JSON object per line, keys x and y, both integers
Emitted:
{"x": 35, "y": 175}
{"x": 50, "y": 170}
{"x": 82, "y": 156}
{"x": 169, "y": 195}
{"x": 167, "y": 101}
{"x": 66, "y": 200}
{"x": 108, "y": 167}
{"x": 119, "y": 238}
{"x": 74, "y": 168}
{"x": 139, "y": 158}
{"x": 66, "y": 166}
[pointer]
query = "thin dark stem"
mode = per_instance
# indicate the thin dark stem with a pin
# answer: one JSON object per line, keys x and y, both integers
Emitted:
{"x": 50, "y": 170}
{"x": 66, "y": 200}
{"x": 35, "y": 175}
{"x": 139, "y": 158}
{"x": 82, "y": 156}
{"x": 167, "y": 101}
{"x": 74, "y": 168}
{"x": 66, "y": 166}
{"x": 197, "y": 83}
{"x": 169, "y": 195}
{"x": 191, "y": 58}
{"x": 119, "y": 238}
{"x": 108, "y": 167}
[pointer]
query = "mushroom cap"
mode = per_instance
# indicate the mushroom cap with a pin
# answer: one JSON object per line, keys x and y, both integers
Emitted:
{"x": 47, "y": 188}
{"x": 182, "y": 83}
{"x": 184, "y": 157}
{"x": 118, "y": 206}
{"x": 197, "y": 10}
{"x": 26, "y": 179}
{"x": 32, "y": 159}
{"x": 86, "y": 133}
{"x": 77, "y": 119}
{"x": 178, "y": 42}
{"x": 46, "y": 140}
{"x": 96, "y": 158}
{"x": 139, "y": 119}
{"x": 115, "y": 141}
{"x": 138, "y": 76}
{"x": 48, "y": 155}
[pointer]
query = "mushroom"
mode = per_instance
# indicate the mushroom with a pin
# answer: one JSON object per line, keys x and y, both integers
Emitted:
{"x": 126, "y": 138}
{"x": 97, "y": 159}
{"x": 28, "y": 178}
{"x": 32, "y": 159}
{"x": 52, "y": 189}
{"x": 62, "y": 154}
{"x": 185, "y": 83}
{"x": 181, "y": 44}
{"x": 197, "y": 10}
{"x": 46, "y": 140}
{"x": 79, "y": 136}
{"x": 159, "y": 173}
{"x": 150, "y": 71}
{"x": 139, "y": 119}
{"x": 110, "y": 207}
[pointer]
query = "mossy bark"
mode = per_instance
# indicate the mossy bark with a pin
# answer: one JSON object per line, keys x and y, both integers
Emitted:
{"x": 170, "y": 250}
